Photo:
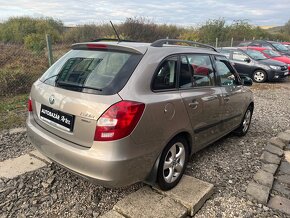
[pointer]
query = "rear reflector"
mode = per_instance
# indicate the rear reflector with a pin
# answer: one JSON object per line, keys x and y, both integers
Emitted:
{"x": 29, "y": 105}
{"x": 118, "y": 121}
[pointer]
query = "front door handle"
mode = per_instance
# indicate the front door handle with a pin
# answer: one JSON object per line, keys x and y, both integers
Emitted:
{"x": 193, "y": 104}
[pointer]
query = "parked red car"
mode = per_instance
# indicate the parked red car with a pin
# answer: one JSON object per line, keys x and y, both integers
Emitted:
{"x": 269, "y": 53}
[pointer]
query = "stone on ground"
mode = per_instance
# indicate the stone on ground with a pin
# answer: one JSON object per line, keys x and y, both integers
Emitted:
{"x": 284, "y": 137}
{"x": 270, "y": 168}
{"x": 268, "y": 157}
{"x": 281, "y": 188}
{"x": 147, "y": 203}
{"x": 258, "y": 192}
{"x": 284, "y": 168}
{"x": 14, "y": 167}
{"x": 280, "y": 203}
{"x": 284, "y": 179}
{"x": 277, "y": 142}
{"x": 274, "y": 150}
{"x": 287, "y": 156}
{"x": 190, "y": 192}
{"x": 264, "y": 178}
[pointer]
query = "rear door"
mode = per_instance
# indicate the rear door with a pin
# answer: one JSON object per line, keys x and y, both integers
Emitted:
{"x": 202, "y": 99}
{"x": 232, "y": 93}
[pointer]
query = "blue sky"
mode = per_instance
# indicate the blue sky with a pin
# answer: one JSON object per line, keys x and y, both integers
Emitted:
{"x": 186, "y": 13}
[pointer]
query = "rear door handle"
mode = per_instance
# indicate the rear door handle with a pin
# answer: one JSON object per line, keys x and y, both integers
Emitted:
{"x": 193, "y": 104}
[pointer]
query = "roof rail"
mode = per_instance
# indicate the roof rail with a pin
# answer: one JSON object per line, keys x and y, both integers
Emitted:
{"x": 110, "y": 39}
{"x": 161, "y": 42}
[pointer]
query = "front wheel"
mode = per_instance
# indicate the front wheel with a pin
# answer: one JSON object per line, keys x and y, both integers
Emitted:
{"x": 172, "y": 163}
{"x": 259, "y": 76}
{"x": 245, "y": 124}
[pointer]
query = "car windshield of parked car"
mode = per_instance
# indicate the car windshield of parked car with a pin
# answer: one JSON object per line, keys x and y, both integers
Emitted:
{"x": 271, "y": 53}
{"x": 256, "y": 55}
{"x": 280, "y": 47}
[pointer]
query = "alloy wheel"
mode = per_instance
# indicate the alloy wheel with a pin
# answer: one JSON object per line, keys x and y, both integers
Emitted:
{"x": 174, "y": 162}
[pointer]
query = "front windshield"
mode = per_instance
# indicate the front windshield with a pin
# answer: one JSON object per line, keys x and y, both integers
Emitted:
{"x": 272, "y": 53}
{"x": 280, "y": 47}
{"x": 256, "y": 55}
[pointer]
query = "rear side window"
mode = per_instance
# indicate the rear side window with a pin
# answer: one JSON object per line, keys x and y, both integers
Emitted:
{"x": 239, "y": 56}
{"x": 102, "y": 72}
{"x": 165, "y": 78}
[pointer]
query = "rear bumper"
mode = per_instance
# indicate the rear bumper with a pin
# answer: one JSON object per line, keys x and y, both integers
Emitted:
{"x": 111, "y": 164}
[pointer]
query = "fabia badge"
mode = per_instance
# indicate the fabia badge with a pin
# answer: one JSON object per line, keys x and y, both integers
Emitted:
{"x": 51, "y": 99}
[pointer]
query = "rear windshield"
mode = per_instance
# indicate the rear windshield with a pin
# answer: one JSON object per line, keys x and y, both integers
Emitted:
{"x": 101, "y": 72}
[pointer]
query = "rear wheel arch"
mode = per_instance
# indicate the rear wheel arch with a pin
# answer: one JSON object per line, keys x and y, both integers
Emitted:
{"x": 152, "y": 177}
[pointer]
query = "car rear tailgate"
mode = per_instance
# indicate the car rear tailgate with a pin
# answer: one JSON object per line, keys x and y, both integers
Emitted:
{"x": 85, "y": 109}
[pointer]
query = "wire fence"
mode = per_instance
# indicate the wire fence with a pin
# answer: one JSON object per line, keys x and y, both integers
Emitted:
{"x": 20, "y": 66}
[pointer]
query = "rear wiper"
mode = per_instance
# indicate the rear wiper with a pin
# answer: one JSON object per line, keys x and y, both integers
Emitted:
{"x": 56, "y": 75}
{"x": 77, "y": 86}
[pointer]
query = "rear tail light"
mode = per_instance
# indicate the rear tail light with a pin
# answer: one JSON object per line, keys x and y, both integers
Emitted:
{"x": 29, "y": 105}
{"x": 118, "y": 121}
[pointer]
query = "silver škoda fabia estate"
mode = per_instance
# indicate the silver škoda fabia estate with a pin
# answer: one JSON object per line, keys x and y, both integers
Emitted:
{"x": 122, "y": 112}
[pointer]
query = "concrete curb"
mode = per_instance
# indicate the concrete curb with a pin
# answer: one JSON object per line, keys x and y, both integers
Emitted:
{"x": 32, "y": 161}
{"x": 182, "y": 201}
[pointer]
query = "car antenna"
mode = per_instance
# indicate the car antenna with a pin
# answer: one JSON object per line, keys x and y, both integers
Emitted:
{"x": 119, "y": 40}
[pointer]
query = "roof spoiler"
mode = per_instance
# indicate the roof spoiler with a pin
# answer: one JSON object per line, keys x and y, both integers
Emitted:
{"x": 104, "y": 46}
{"x": 161, "y": 42}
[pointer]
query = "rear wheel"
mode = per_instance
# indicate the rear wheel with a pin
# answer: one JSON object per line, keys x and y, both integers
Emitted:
{"x": 259, "y": 76}
{"x": 245, "y": 124}
{"x": 172, "y": 163}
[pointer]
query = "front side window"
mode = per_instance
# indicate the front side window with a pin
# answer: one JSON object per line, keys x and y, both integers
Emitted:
{"x": 225, "y": 73}
{"x": 239, "y": 56}
{"x": 272, "y": 53}
{"x": 166, "y": 75}
{"x": 256, "y": 55}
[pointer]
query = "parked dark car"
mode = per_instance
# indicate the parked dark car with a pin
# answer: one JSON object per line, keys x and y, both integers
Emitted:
{"x": 255, "y": 64}
{"x": 276, "y": 46}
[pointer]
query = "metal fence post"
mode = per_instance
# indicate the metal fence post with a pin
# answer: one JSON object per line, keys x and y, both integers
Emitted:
{"x": 216, "y": 42}
{"x": 48, "y": 44}
{"x": 232, "y": 41}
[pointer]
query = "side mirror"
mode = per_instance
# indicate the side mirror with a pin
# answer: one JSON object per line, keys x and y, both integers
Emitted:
{"x": 246, "y": 81}
{"x": 248, "y": 60}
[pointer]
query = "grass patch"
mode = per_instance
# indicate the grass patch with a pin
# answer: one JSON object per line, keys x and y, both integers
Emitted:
{"x": 13, "y": 111}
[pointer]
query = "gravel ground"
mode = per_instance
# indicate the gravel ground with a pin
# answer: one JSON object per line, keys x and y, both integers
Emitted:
{"x": 55, "y": 192}
{"x": 13, "y": 145}
{"x": 229, "y": 164}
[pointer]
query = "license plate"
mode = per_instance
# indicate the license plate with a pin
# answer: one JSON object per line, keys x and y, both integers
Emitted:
{"x": 60, "y": 119}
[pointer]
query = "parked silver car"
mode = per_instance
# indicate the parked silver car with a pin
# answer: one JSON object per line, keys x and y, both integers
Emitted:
{"x": 122, "y": 112}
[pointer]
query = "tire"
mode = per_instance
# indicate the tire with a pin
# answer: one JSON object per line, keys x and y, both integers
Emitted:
{"x": 172, "y": 163}
{"x": 246, "y": 122}
{"x": 260, "y": 76}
